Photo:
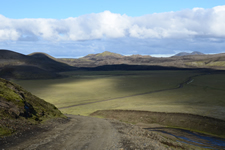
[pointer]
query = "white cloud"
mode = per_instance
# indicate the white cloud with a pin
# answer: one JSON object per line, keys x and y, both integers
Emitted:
{"x": 167, "y": 33}
{"x": 198, "y": 22}
{"x": 8, "y": 34}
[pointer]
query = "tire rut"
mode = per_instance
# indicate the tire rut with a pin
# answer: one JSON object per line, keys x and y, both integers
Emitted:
{"x": 80, "y": 133}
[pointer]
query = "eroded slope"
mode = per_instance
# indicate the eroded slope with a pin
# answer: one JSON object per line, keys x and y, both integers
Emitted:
{"x": 19, "y": 109}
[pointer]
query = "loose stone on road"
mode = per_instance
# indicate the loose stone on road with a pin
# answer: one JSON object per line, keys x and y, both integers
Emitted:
{"x": 85, "y": 133}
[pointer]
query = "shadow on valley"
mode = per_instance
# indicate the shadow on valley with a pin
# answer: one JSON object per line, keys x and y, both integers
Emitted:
{"x": 124, "y": 67}
{"x": 185, "y": 100}
{"x": 148, "y": 88}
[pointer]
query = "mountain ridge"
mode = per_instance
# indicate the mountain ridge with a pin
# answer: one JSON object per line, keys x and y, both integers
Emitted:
{"x": 192, "y": 53}
{"x": 37, "y": 65}
{"x": 105, "y": 54}
{"x": 185, "y": 60}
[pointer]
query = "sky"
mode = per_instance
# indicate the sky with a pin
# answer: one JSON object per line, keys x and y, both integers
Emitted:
{"x": 72, "y": 28}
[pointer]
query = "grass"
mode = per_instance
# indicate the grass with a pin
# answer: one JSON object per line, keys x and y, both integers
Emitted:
{"x": 19, "y": 108}
{"x": 83, "y": 88}
{"x": 172, "y": 120}
{"x": 204, "y": 63}
{"x": 8, "y": 94}
{"x": 5, "y": 131}
{"x": 204, "y": 96}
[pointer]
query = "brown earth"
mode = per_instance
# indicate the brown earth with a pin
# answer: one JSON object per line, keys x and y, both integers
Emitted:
{"x": 200, "y": 131}
{"x": 80, "y": 133}
{"x": 176, "y": 120}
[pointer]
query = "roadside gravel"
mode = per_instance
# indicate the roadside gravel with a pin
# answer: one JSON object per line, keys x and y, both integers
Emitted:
{"x": 86, "y": 133}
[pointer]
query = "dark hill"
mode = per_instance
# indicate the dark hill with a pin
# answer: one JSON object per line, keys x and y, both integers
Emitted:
{"x": 7, "y": 54}
{"x": 34, "y": 66}
{"x": 26, "y": 72}
{"x": 41, "y": 56}
{"x": 19, "y": 109}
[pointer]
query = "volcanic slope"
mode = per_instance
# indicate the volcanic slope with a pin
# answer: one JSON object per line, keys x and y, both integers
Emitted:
{"x": 20, "y": 109}
{"x": 33, "y": 66}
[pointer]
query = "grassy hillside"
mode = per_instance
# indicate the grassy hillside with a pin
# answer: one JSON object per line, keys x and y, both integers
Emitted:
{"x": 105, "y": 54}
{"x": 204, "y": 95}
{"x": 20, "y": 109}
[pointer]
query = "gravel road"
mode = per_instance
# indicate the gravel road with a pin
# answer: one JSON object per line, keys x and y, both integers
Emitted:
{"x": 85, "y": 133}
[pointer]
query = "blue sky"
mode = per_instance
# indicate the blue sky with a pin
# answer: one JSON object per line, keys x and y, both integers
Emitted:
{"x": 73, "y": 28}
{"x": 59, "y": 9}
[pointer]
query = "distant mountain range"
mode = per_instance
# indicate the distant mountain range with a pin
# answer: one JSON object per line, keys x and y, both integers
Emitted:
{"x": 41, "y": 66}
{"x": 103, "y": 55}
{"x": 185, "y": 53}
{"x": 105, "y": 58}
{"x": 180, "y": 60}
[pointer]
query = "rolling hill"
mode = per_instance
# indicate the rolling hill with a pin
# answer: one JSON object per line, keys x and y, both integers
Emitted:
{"x": 33, "y": 66}
{"x": 181, "y": 60}
{"x": 43, "y": 66}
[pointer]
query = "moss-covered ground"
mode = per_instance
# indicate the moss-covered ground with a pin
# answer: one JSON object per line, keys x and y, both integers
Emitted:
{"x": 204, "y": 95}
{"x": 20, "y": 109}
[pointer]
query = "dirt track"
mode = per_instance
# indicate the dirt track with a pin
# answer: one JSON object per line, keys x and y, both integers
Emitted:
{"x": 85, "y": 133}
{"x": 78, "y": 133}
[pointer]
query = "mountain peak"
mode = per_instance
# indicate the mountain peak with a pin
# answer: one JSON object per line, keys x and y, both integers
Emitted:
{"x": 197, "y": 53}
{"x": 40, "y": 55}
{"x": 103, "y": 54}
{"x": 107, "y": 53}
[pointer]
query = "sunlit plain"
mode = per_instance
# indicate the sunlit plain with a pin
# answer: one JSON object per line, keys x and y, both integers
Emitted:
{"x": 204, "y": 95}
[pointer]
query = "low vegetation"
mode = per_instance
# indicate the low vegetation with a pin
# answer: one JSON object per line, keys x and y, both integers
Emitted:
{"x": 201, "y": 124}
{"x": 89, "y": 91}
{"x": 20, "y": 109}
{"x": 84, "y": 87}
{"x": 166, "y": 91}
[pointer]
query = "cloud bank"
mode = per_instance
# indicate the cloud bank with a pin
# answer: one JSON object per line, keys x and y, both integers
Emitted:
{"x": 191, "y": 25}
